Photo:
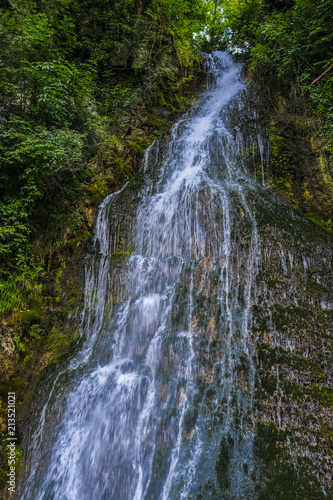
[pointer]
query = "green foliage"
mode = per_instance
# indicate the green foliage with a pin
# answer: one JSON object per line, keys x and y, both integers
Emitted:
{"x": 46, "y": 105}
{"x": 32, "y": 160}
{"x": 321, "y": 222}
{"x": 63, "y": 64}
{"x": 36, "y": 332}
{"x": 289, "y": 44}
{"x": 135, "y": 44}
{"x": 18, "y": 451}
{"x": 241, "y": 18}
{"x": 21, "y": 289}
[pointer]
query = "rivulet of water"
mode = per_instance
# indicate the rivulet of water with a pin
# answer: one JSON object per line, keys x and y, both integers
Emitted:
{"x": 159, "y": 403}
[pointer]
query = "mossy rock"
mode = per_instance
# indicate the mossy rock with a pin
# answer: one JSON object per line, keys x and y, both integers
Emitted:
{"x": 223, "y": 462}
{"x": 98, "y": 190}
{"x": 29, "y": 317}
{"x": 19, "y": 384}
{"x": 323, "y": 394}
{"x": 120, "y": 255}
{"x": 327, "y": 225}
{"x": 135, "y": 148}
{"x": 279, "y": 478}
{"x": 110, "y": 181}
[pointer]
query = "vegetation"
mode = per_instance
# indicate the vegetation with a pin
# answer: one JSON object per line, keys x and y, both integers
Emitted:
{"x": 67, "y": 69}
{"x": 75, "y": 78}
{"x": 288, "y": 46}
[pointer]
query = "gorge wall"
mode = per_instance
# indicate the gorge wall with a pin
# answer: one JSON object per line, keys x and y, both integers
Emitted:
{"x": 227, "y": 303}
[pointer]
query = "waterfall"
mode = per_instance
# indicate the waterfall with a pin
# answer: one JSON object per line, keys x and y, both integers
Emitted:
{"x": 158, "y": 404}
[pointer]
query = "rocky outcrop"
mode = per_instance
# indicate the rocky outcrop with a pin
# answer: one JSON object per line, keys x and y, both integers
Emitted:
{"x": 293, "y": 335}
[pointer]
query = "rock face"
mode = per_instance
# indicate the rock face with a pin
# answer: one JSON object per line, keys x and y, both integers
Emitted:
{"x": 292, "y": 331}
{"x": 292, "y": 309}
{"x": 208, "y": 315}
{"x": 283, "y": 149}
{"x": 8, "y": 353}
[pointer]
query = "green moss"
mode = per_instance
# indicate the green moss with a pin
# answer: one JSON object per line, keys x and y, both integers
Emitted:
{"x": 122, "y": 171}
{"x": 113, "y": 141}
{"x": 268, "y": 383}
{"x": 292, "y": 389}
{"x": 73, "y": 243}
{"x": 135, "y": 148}
{"x": 161, "y": 99}
{"x": 81, "y": 237}
{"x": 98, "y": 190}
{"x": 160, "y": 125}
{"x": 19, "y": 384}
{"x": 223, "y": 462}
{"x": 326, "y": 430}
{"x": 119, "y": 255}
{"x": 134, "y": 184}
{"x": 323, "y": 394}
{"x": 327, "y": 225}
{"x": 279, "y": 478}
{"x": 59, "y": 343}
{"x": 144, "y": 143}
{"x": 273, "y": 356}
{"x": 29, "y": 317}
{"x": 266, "y": 215}
{"x": 36, "y": 332}
{"x": 314, "y": 288}
{"x": 109, "y": 181}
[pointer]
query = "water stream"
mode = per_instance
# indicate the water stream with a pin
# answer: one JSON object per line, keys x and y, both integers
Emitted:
{"x": 158, "y": 404}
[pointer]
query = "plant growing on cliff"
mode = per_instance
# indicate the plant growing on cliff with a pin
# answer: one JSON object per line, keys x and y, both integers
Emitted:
{"x": 63, "y": 64}
{"x": 289, "y": 47}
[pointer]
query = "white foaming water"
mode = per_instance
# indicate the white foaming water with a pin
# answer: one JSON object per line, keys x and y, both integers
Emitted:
{"x": 156, "y": 388}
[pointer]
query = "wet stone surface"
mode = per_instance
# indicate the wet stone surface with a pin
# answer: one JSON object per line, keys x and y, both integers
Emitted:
{"x": 208, "y": 316}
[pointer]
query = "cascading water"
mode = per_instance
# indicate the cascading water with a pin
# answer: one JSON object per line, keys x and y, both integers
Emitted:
{"x": 159, "y": 403}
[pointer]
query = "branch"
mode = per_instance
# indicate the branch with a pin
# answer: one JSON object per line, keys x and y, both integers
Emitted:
{"x": 319, "y": 77}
